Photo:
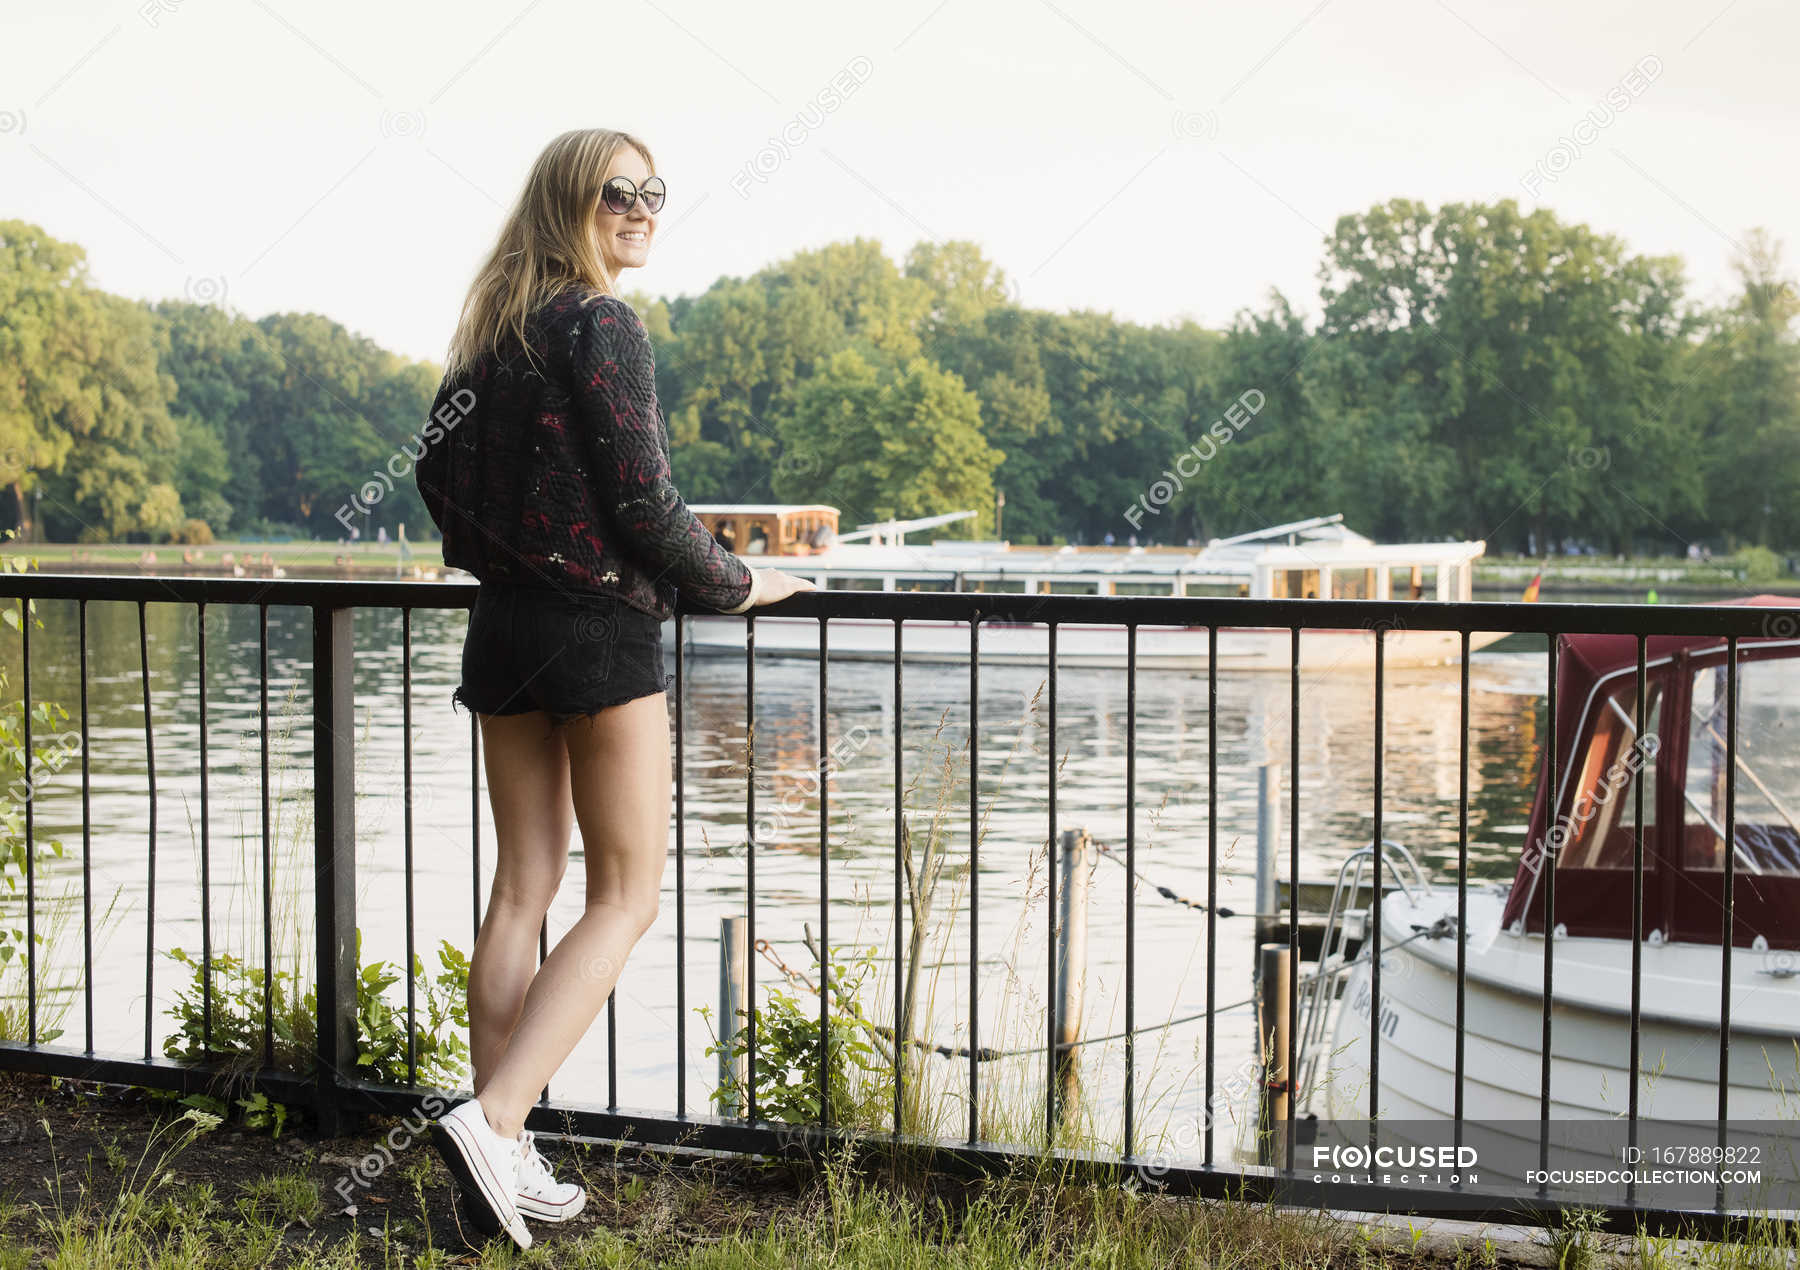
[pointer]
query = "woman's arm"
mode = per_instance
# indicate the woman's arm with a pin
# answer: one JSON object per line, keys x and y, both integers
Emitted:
{"x": 614, "y": 391}
{"x": 431, "y": 471}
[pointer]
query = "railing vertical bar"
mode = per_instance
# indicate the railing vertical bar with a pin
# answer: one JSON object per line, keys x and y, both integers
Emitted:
{"x": 205, "y": 854}
{"x": 150, "y": 878}
{"x": 612, "y": 1050}
{"x": 1052, "y": 864}
{"x": 543, "y": 952}
{"x": 475, "y": 824}
{"x": 334, "y": 859}
{"x": 1462, "y": 891}
{"x": 1130, "y": 875}
{"x": 87, "y": 840}
{"x": 974, "y": 871}
{"x": 903, "y": 1025}
{"x": 680, "y": 874}
{"x": 750, "y": 856}
{"x": 30, "y": 836}
{"x": 1637, "y": 909}
{"x": 406, "y": 760}
{"x": 825, "y": 984}
{"x": 1728, "y": 919}
{"x": 1293, "y": 879}
{"x": 1549, "y": 862}
{"x": 268, "y": 854}
{"x": 1212, "y": 872}
{"x": 1375, "y": 918}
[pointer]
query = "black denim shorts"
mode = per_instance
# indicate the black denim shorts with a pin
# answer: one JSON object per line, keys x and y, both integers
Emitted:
{"x": 567, "y": 653}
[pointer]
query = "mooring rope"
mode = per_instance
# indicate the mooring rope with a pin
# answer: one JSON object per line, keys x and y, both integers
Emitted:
{"x": 1441, "y": 928}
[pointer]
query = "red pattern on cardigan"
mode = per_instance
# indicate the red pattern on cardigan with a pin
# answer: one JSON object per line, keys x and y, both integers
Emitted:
{"x": 553, "y": 471}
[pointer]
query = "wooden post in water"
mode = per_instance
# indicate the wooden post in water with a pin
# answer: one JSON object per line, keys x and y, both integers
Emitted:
{"x": 1272, "y": 1044}
{"x": 1078, "y": 860}
{"x": 1268, "y": 842}
{"x": 734, "y": 959}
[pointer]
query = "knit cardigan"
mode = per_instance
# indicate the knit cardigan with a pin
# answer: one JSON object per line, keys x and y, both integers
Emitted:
{"x": 552, "y": 470}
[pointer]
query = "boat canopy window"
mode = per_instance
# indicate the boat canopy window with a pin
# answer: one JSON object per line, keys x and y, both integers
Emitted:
{"x": 1412, "y": 582}
{"x": 1294, "y": 584}
{"x": 1767, "y": 796}
{"x": 1353, "y": 584}
{"x": 1600, "y": 817}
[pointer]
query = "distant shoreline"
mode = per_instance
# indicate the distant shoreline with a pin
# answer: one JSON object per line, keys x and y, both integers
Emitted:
{"x": 1498, "y": 578}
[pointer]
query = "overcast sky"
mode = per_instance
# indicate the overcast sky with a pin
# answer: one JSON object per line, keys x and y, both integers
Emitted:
{"x": 1159, "y": 161}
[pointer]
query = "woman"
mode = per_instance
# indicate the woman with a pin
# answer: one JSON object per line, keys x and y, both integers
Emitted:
{"x": 546, "y": 469}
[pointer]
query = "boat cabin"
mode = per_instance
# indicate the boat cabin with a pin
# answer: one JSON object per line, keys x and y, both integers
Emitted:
{"x": 1681, "y": 762}
{"x": 1306, "y": 559}
{"x": 770, "y": 529}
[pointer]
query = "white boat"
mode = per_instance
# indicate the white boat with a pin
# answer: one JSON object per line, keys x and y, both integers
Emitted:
{"x": 1681, "y": 968}
{"x": 1305, "y": 559}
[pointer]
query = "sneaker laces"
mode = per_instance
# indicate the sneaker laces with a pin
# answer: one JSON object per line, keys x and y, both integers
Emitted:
{"x": 532, "y": 1166}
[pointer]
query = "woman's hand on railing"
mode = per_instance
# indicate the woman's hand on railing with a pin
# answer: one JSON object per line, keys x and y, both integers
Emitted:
{"x": 773, "y": 585}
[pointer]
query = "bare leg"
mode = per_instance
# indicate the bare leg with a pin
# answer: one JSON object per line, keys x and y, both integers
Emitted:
{"x": 528, "y": 789}
{"x": 619, "y": 779}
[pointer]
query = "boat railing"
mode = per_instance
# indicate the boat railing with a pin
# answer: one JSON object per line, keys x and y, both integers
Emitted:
{"x": 1334, "y": 961}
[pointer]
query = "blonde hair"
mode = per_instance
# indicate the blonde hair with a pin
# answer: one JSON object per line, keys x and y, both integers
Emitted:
{"x": 548, "y": 241}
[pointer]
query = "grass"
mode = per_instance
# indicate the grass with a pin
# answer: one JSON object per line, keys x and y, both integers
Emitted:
{"x": 100, "y": 1179}
{"x": 127, "y": 1184}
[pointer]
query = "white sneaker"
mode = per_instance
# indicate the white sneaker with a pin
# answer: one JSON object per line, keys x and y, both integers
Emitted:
{"x": 485, "y": 1166}
{"x": 538, "y": 1194}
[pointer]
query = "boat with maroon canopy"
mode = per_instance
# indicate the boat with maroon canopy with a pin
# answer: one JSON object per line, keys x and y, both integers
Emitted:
{"x": 1590, "y": 839}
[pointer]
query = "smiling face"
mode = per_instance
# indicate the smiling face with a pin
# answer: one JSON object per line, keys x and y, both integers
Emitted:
{"x": 625, "y": 240}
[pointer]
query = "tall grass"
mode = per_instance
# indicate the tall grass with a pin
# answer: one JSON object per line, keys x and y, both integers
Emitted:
{"x": 242, "y": 986}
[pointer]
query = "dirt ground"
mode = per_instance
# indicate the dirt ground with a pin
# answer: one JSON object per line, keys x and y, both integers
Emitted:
{"x": 63, "y": 1143}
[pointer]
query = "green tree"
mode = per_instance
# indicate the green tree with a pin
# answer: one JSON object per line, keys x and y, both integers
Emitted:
{"x": 223, "y": 366}
{"x": 887, "y": 442}
{"x": 1741, "y": 402}
{"x": 1521, "y": 350}
{"x": 84, "y": 405}
{"x": 965, "y": 284}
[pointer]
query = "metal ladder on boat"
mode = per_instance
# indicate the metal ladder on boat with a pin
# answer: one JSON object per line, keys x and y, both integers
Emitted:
{"x": 1320, "y": 989}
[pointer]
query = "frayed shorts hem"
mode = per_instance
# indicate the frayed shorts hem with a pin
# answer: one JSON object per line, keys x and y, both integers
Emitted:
{"x": 557, "y": 717}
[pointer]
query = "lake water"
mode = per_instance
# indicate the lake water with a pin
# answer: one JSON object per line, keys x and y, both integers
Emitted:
{"x": 1335, "y": 790}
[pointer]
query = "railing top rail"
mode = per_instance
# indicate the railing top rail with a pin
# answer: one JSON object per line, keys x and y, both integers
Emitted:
{"x": 1394, "y": 616}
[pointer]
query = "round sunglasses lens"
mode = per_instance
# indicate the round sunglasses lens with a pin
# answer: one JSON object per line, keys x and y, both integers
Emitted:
{"x": 618, "y": 195}
{"x": 654, "y": 193}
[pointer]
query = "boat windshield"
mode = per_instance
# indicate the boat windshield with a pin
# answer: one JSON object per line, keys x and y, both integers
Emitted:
{"x": 1767, "y": 794}
{"x": 1599, "y": 822}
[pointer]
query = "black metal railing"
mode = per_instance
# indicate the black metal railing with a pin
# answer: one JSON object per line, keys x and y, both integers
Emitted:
{"x": 336, "y": 1094}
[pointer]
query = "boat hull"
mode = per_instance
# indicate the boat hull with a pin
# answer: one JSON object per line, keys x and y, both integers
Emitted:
{"x": 1590, "y": 1028}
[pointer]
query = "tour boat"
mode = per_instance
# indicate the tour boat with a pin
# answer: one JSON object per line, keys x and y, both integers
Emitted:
{"x": 1682, "y": 955}
{"x": 1305, "y": 559}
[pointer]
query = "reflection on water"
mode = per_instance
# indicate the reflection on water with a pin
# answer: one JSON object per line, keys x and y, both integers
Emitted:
{"x": 1335, "y": 791}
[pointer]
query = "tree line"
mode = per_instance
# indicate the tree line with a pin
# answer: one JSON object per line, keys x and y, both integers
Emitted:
{"x": 1470, "y": 371}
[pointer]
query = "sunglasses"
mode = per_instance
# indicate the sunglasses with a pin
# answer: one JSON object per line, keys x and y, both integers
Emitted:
{"x": 620, "y": 195}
